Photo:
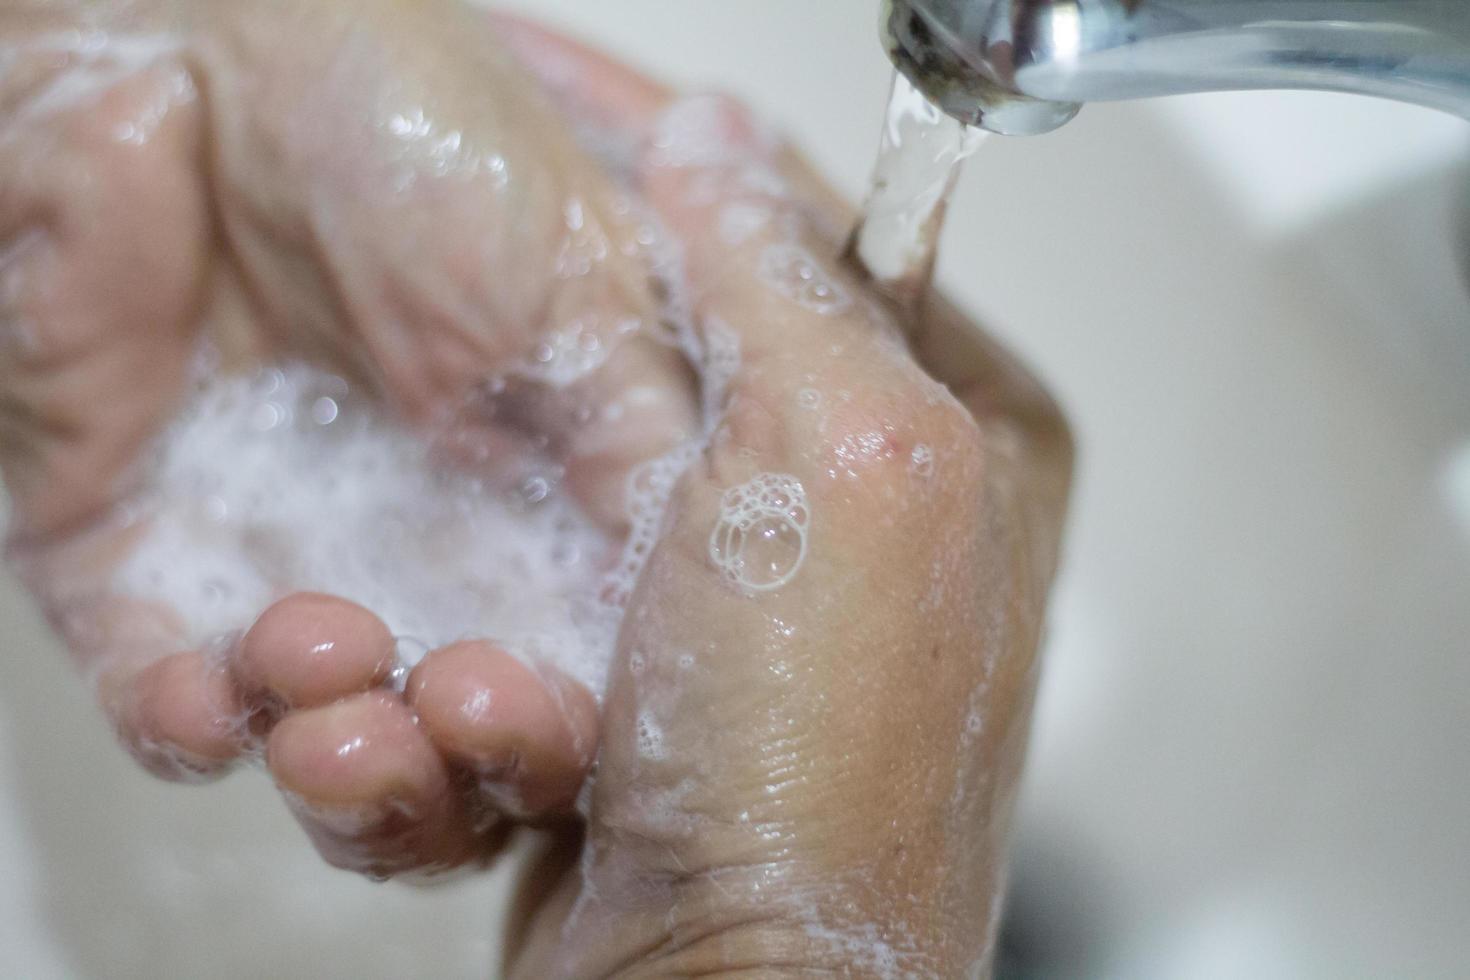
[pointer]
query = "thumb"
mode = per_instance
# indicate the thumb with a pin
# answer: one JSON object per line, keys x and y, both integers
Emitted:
{"x": 776, "y": 613}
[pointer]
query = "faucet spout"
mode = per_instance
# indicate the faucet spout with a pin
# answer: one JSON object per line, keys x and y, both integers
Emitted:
{"x": 1026, "y": 66}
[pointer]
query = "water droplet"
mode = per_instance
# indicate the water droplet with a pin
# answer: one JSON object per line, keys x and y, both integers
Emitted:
{"x": 740, "y": 221}
{"x": 566, "y": 554}
{"x": 794, "y": 273}
{"x": 215, "y": 509}
{"x": 535, "y": 489}
{"x": 575, "y": 216}
{"x": 324, "y": 411}
{"x": 921, "y": 461}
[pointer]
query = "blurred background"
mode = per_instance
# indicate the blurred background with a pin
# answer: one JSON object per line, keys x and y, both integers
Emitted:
{"x": 1253, "y": 739}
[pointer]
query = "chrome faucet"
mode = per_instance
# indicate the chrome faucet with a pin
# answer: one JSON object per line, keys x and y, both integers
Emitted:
{"x": 1024, "y": 67}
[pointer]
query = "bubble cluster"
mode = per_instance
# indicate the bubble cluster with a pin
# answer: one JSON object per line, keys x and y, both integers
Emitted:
{"x": 760, "y": 539}
{"x": 650, "y": 737}
{"x": 921, "y": 461}
{"x": 741, "y": 221}
{"x": 719, "y": 360}
{"x": 694, "y": 132}
{"x": 567, "y": 354}
{"x": 649, "y": 487}
{"x": 794, "y": 273}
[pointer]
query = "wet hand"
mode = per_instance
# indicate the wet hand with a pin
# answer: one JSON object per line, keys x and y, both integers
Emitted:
{"x": 817, "y": 707}
{"x": 816, "y": 717}
{"x": 205, "y": 191}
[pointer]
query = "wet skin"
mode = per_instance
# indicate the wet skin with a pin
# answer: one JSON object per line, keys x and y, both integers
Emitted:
{"x": 834, "y": 760}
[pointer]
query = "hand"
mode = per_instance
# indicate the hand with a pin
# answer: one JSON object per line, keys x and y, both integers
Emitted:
{"x": 373, "y": 189}
{"x": 818, "y": 712}
{"x": 810, "y": 740}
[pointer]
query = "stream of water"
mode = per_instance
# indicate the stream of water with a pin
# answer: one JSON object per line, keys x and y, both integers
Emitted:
{"x": 919, "y": 160}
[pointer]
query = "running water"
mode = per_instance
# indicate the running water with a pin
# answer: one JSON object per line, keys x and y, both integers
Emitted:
{"x": 919, "y": 160}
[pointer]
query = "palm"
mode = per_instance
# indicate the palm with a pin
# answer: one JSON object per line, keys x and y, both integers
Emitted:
{"x": 432, "y": 300}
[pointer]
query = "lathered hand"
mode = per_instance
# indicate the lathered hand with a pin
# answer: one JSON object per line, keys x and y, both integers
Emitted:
{"x": 376, "y": 190}
{"x": 817, "y": 708}
{"x": 817, "y": 716}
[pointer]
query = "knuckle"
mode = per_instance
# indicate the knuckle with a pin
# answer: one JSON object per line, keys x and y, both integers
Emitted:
{"x": 893, "y": 438}
{"x": 883, "y": 433}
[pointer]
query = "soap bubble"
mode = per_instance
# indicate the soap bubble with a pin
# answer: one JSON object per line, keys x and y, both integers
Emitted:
{"x": 760, "y": 539}
{"x": 794, "y": 273}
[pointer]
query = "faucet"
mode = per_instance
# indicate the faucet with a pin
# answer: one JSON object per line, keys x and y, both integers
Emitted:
{"x": 1024, "y": 67}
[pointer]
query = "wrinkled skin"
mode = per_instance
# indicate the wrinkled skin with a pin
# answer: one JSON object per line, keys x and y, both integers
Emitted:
{"x": 834, "y": 760}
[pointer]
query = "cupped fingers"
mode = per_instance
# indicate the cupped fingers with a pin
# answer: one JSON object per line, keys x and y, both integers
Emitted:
{"x": 355, "y": 765}
{"x": 373, "y": 793}
{"x": 525, "y": 738}
{"x": 171, "y": 700}
{"x": 310, "y": 649}
{"x": 181, "y": 717}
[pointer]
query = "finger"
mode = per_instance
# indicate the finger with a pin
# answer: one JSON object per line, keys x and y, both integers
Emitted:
{"x": 585, "y": 81}
{"x": 643, "y": 400}
{"x": 1024, "y": 425}
{"x": 372, "y": 792}
{"x": 526, "y": 737}
{"x": 436, "y": 249}
{"x": 181, "y": 716}
{"x": 641, "y": 405}
{"x": 104, "y": 238}
{"x": 310, "y": 649}
{"x": 1023, "y": 422}
{"x": 637, "y": 406}
{"x": 757, "y": 260}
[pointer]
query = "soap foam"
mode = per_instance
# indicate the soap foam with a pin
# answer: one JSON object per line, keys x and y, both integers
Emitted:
{"x": 287, "y": 481}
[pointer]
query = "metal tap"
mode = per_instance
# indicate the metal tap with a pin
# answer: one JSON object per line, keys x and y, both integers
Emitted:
{"x": 1024, "y": 67}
